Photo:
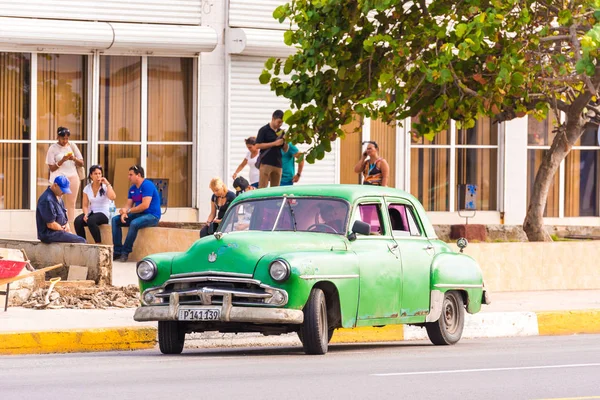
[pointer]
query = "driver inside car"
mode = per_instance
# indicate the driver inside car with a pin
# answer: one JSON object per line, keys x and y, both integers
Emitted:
{"x": 328, "y": 216}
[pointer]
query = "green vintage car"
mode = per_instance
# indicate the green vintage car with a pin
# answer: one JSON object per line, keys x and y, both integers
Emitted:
{"x": 311, "y": 259}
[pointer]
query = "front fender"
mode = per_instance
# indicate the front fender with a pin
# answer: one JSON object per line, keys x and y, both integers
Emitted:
{"x": 339, "y": 267}
{"x": 163, "y": 263}
{"x": 455, "y": 271}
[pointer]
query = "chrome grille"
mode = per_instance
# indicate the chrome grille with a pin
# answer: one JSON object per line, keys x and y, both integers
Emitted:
{"x": 210, "y": 289}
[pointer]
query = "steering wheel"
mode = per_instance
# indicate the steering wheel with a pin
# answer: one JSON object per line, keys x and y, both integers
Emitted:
{"x": 313, "y": 228}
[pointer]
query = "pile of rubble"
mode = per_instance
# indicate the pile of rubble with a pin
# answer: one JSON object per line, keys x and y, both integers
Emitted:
{"x": 84, "y": 297}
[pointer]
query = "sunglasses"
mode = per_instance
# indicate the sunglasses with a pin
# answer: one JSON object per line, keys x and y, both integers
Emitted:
{"x": 64, "y": 132}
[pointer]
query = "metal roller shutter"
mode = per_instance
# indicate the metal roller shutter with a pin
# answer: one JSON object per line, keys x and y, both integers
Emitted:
{"x": 251, "y": 105}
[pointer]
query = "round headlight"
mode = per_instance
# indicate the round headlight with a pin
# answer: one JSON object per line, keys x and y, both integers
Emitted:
{"x": 279, "y": 270}
{"x": 146, "y": 270}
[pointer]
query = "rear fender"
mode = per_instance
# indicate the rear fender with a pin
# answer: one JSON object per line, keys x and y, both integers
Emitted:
{"x": 458, "y": 272}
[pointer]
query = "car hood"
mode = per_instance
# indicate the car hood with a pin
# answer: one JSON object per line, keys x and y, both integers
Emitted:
{"x": 240, "y": 251}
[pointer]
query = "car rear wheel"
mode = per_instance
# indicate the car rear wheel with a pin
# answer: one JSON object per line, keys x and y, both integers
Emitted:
{"x": 170, "y": 337}
{"x": 314, "y": 332}
{"x": 448, "y": 329}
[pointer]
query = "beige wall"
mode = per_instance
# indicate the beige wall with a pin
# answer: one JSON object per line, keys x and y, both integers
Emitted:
{"x": 527, "y": 266}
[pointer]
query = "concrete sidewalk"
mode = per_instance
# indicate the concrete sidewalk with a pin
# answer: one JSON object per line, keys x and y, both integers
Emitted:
{"x": 510, "y": 314}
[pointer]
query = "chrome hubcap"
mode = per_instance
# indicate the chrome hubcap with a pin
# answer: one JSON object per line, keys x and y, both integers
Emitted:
{"x": 323, "y": 321}
{"x": 451, "y": 314}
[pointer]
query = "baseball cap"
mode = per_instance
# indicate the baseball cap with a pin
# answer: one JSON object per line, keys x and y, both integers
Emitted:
{"x": 240, "y": 184}
{"x": 63, "y": 184}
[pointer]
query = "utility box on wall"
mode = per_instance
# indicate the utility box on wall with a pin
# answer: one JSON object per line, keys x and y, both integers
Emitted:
{"x": 467, "y": 197}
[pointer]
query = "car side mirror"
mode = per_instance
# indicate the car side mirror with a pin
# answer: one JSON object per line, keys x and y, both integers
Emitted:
{"x": 359, "y": 227}
{"x": 462, "y": 243}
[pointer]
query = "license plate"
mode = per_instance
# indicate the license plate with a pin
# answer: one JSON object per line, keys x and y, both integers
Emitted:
{"x": 199, "y": 314}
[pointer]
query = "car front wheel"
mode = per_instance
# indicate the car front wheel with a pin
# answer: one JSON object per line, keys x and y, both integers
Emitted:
{"x": 314, "y": 332}
{"x": 448, "y": 329}
{"x": 170, "y": 337}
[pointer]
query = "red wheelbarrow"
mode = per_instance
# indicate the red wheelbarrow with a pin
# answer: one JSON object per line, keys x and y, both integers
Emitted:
{"x": 9, "y": 272}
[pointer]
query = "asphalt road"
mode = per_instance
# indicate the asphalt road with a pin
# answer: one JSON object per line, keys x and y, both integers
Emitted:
{"x": 510, "y": 368}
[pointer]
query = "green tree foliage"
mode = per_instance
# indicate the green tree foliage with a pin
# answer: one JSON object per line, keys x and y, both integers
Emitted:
{"x": 439, "y": 59}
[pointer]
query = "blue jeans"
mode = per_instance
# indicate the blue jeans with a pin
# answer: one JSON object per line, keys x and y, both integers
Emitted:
{"x": 135, "y": 222}
{"x": 61, "y": 237}
{"x": 286, "y": 183}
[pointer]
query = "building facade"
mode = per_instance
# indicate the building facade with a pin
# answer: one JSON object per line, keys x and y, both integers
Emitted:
{"x": 174, "y": 86}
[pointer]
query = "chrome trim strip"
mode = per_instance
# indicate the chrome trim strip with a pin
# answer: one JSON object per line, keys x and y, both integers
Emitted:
{"x": 207, "y": 293}
{"x": 204, "y": 273}
{"x": 307, "y": 277}
{"x": 456, "y": 286}
{"x": 217, "y": 292}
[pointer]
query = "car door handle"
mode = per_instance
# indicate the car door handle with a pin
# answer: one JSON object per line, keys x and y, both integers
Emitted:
{"x": 428, "y": 247}
{"x": 393, "y": 247}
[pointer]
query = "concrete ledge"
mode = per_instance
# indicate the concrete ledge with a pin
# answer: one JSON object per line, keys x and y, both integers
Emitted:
{"x": 534, "y": 266}
{"x": 98, "y": 258}
{"x": 152, "y": 240}
{"x": 131, "y": 338}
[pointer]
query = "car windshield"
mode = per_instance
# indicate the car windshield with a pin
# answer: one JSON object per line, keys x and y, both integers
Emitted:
{"x": 287, "y": 214}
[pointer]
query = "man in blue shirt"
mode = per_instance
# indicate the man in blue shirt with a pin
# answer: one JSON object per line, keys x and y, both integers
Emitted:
{"x": 142, "y": 211}
{"x": 51, "y": 216}
{"x": 288, "y": 169}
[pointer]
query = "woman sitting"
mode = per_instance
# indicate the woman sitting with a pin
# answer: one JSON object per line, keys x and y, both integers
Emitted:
{"x": 96, "y": 203}
{"x": 219, "y": 203}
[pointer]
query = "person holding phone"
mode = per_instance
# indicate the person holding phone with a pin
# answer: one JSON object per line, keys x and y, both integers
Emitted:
{"x": 270, "y": 141}
{"x": 375, "y": 169}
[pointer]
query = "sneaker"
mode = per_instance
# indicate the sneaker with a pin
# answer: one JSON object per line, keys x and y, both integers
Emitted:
{"x": 116, "y": 256}
{"x": 123, "y": 258}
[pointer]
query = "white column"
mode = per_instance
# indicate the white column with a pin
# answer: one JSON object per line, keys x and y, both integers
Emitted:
{"x": 515, "y": 163}
{"x": 33, "y": 121}
{"x": 401, "y": 156}
{"x": 144, "y": 113}
{"x": 212, "y": 105}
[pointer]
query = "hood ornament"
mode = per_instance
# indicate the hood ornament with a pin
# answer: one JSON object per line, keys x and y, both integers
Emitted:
{"x": 218, "y": 235}
{"x": 212, "y": 257}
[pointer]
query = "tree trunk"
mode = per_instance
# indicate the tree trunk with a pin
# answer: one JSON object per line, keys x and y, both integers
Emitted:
{"x": 568, "y": 134}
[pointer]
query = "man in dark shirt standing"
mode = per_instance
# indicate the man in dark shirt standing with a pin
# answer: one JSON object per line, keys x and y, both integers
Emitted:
{"x": 51, "y": 215}
{"x": 270, "y": 142}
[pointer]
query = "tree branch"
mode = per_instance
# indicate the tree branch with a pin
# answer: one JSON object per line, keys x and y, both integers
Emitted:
{"x": 461, "y": 85}
{"x": 558, "y": 38}
{"x": 423, "y": 5}
{"x": 577, "y": 51}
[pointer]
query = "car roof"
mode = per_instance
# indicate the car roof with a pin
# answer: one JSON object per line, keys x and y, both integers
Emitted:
{"x": 342, "y": 191}
{"x": 350, "y": 193}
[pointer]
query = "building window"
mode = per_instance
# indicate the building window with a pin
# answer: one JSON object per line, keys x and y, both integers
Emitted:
{"x": 119, "y": 119}
{"x": 62, "y": 84}
{"x": 475, "y": 154}
{"x": 581, "y": 176}
{"x": 15, "y": 130}
{"x": 170, "y": 126}
{"x": 145, "y": 115}
{"x": 540, "y": 135}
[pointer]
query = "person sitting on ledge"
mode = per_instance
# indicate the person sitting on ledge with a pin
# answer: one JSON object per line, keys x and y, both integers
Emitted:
{"x": 51, "y": 216}
{"x": 142, "y": 211}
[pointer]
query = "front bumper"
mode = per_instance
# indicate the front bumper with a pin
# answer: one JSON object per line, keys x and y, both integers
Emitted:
{"x": 229, "y": 313}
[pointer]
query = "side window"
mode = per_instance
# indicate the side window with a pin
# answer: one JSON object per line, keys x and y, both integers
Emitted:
{"x": 399, "y": 220}
{"x": 371, "y": 214}
{"x": 415, "y": 230}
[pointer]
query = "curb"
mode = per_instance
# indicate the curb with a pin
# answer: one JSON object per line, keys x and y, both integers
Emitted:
{"x": 481, "y": 325}
{"x": 77, "y": 340}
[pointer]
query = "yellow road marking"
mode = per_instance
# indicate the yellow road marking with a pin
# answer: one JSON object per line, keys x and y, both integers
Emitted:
{"x": 77, "y": 340}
